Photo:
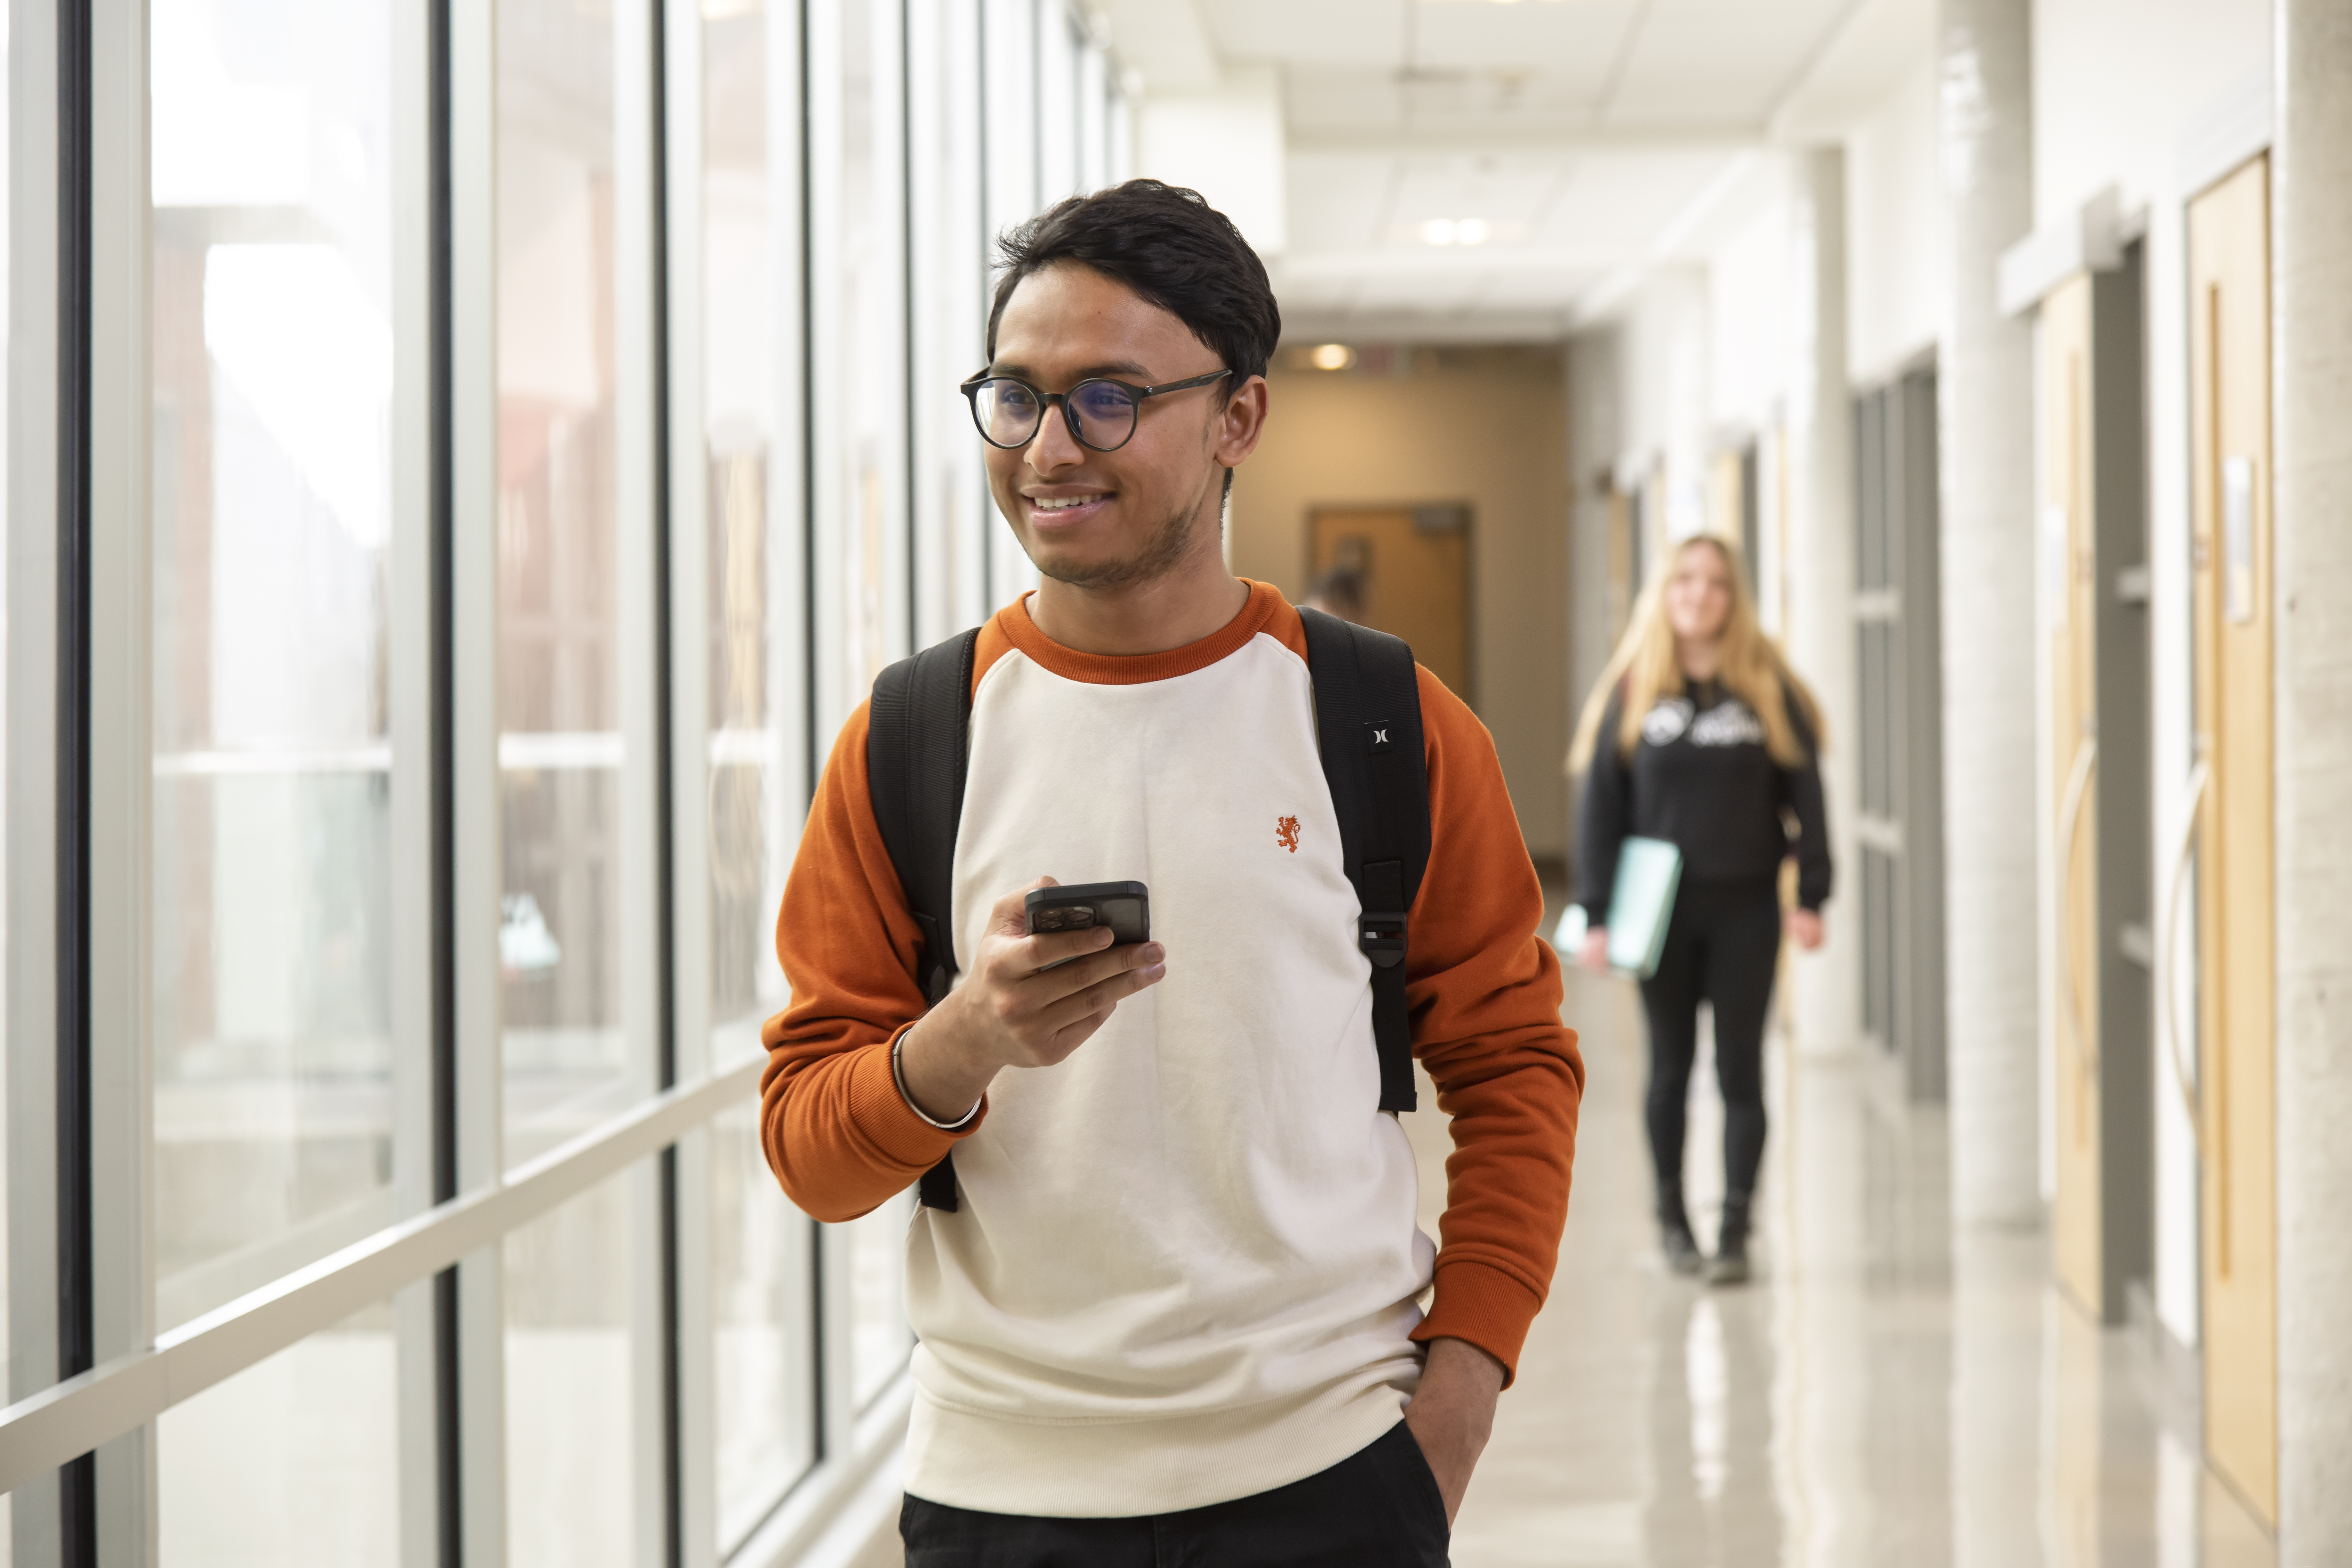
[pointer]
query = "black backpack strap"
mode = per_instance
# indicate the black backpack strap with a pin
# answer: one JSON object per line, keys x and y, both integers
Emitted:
{"x": 1368, "y": 726}
{"x": 918, "y": 737}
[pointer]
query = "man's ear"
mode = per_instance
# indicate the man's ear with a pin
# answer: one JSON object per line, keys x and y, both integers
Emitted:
{"x": 1242, "y": 422}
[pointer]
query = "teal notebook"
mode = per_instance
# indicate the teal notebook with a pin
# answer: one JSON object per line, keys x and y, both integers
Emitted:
{"x": 1642, "y": 901}
{"x": 1639, "y": 907}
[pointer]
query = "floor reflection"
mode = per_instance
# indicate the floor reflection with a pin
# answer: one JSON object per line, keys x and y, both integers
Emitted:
{"x": 1884, "y": 1393}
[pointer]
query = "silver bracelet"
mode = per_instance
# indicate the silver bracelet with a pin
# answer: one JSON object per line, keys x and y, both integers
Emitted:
{"x": 898, "y": 1076}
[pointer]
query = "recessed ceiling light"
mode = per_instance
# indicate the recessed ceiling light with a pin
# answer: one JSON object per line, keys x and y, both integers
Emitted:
{"x": 1470, "y": 231}
{"x": 1333, "y": 357}
{"x": 1437, "y": 231}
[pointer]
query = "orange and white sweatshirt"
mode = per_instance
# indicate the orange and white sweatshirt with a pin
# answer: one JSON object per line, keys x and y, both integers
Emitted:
{"x": 1186, "y": 1265}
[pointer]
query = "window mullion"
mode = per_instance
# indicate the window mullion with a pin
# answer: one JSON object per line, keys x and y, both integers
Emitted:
{"x": 473, "y": 723}
{"x": 419, "y": 658}
{"x": 119, "y": 822}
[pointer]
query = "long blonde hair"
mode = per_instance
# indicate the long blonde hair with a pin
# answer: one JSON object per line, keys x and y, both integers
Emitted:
{"x": 1749, "y": 665}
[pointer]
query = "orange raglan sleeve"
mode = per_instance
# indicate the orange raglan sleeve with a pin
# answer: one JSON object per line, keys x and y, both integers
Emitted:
{"x": 839, "y": 1136}
{"x": 1484, "y": 990}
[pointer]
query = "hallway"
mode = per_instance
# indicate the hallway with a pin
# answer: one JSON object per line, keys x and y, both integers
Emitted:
{"x": 1878, "y": 1396}
{"x": 469, "y": 463}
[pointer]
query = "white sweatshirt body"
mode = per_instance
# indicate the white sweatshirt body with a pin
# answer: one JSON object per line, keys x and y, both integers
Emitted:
{"x": 1186, "y": 1261}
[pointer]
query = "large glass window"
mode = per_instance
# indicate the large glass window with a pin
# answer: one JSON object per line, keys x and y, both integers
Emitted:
{"x": 859, "y": 383}
{"x": 762, "y": 1302}
{"x": 946, "y": 248}
{"x": 749, "y": 207}
{"x": 292, "y": 1463}
{"x": 761, "y": 1247}
{"x": 567, "y": 1062}
{"x": 860, "y": 358}
{"x": 1059, "y": 123}
{"x": 574, "y": 1280}
{"x": 273, "y": 773}
{"x": 880, "y": 1339}
{"x": 308, "y": 433}
{"x": 1009, "y": 101}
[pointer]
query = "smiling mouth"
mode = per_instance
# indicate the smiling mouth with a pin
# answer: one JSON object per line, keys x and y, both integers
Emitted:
{"x": 1056, "y": 506}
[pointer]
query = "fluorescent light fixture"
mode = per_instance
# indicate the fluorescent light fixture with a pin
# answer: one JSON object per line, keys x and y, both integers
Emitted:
{"x": 1333, "y": 356}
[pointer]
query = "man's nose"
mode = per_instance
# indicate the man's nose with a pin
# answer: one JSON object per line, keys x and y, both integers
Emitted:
{"x": 1054, "y": 447}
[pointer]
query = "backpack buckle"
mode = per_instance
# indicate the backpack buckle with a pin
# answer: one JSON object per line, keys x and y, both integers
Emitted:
{"x": 1380, "y": 934}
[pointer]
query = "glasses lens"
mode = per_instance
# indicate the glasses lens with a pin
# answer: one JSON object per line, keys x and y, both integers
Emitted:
{"x": 1106, "y": 414}
{"x": 1005, "y": 411}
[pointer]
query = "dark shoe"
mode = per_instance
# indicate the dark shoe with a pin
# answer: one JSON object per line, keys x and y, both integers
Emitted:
{"x": 1729, "y": 1265}
{"x": 1681, "y": 1247}
{"x": 1674, "y": 1237}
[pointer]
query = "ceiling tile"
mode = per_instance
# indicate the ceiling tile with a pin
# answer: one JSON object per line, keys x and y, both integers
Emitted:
{"x": 1310, "y": 32}
{"x": 1317, "y": 98}
{"x": 1573, "y": 40}
{"x": 1617, "y": 202}
{"x": 1705, "y": 61}
{"x": 1336, "y": 201}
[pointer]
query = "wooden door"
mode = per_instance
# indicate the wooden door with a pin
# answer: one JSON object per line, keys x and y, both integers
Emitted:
{"x": 1415, "y": 562}
{"x": 1621, "y": 554}
{"x": 2229, "y": 326}
{"x": 2070, "y": 598}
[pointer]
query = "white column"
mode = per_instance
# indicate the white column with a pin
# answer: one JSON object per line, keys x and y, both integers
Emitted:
{"x": 2312, "y": 211}
{"x": 1827, "y": 983}
{"x": 1987, "y": 436}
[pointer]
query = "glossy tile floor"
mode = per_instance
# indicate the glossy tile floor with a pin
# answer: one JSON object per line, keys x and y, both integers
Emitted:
{"x": 1883, "y": 1393}
{"x": 1879, "y": 1395}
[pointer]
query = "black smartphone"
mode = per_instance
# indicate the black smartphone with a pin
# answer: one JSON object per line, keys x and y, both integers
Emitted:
{"x": 1125, "y": 907}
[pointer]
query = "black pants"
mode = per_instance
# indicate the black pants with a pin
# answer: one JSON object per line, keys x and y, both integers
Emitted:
{"x": 1722, "y": 944}
{"x": 1376, "y": 1508}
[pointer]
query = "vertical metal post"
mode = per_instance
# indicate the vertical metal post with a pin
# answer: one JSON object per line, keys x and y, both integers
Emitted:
{"x": 75, "y": 1283}
{"x": 692, "y": 1411}
{"x": 473, "y": 1305}
{"x": 118, "y": 817}
{"x": 47, "y": 311}
{"x": 424, "y": 1142}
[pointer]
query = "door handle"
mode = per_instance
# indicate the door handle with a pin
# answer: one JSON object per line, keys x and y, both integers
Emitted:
{"x": 2168, "y": 988}
{"x": 2070, "y": 822}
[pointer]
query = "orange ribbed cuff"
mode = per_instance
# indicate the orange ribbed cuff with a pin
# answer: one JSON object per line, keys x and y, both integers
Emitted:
{"x": 1484, "y": 1306}
{"x": 885, "y": 1119}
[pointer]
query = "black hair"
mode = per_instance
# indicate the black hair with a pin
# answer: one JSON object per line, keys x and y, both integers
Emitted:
{"x": 1171, "y": 247}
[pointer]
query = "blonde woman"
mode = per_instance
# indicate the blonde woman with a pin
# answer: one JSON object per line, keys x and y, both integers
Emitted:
{"x": 1699, "y": 735}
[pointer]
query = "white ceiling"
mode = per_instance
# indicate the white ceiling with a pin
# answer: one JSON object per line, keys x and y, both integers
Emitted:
{"x": 1590, "y": 138}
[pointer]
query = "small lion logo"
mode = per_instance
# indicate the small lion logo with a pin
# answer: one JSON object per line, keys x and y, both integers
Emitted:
{"x": 1285, "y": 833}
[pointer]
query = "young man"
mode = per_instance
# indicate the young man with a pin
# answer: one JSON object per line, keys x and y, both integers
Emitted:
{"x": 1173, "y": 1315}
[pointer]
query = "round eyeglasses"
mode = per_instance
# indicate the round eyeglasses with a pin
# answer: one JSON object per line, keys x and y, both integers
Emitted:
{"x": 1101, "y": 413}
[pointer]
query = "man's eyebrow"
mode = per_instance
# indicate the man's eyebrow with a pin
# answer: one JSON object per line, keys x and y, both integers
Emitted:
{"x": 1126, "y": 367}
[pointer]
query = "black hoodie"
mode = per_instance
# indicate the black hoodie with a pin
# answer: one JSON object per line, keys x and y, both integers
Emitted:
{"x": 1701, "y": 779}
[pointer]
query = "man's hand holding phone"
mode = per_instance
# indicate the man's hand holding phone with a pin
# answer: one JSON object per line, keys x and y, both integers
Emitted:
{"x": 1027, "y": 1002}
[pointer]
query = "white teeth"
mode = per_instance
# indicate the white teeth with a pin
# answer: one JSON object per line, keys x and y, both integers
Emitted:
{"x": 1044, "y": 504}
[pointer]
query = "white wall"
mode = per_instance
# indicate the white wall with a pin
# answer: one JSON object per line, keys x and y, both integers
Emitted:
{"x": 2124, "y": 93}
{"x": 1664, "y": 383}
{"x": 1226, "y": 144}
{"x": 1895, "y": 230}
{"x": 1748, "y": 308}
